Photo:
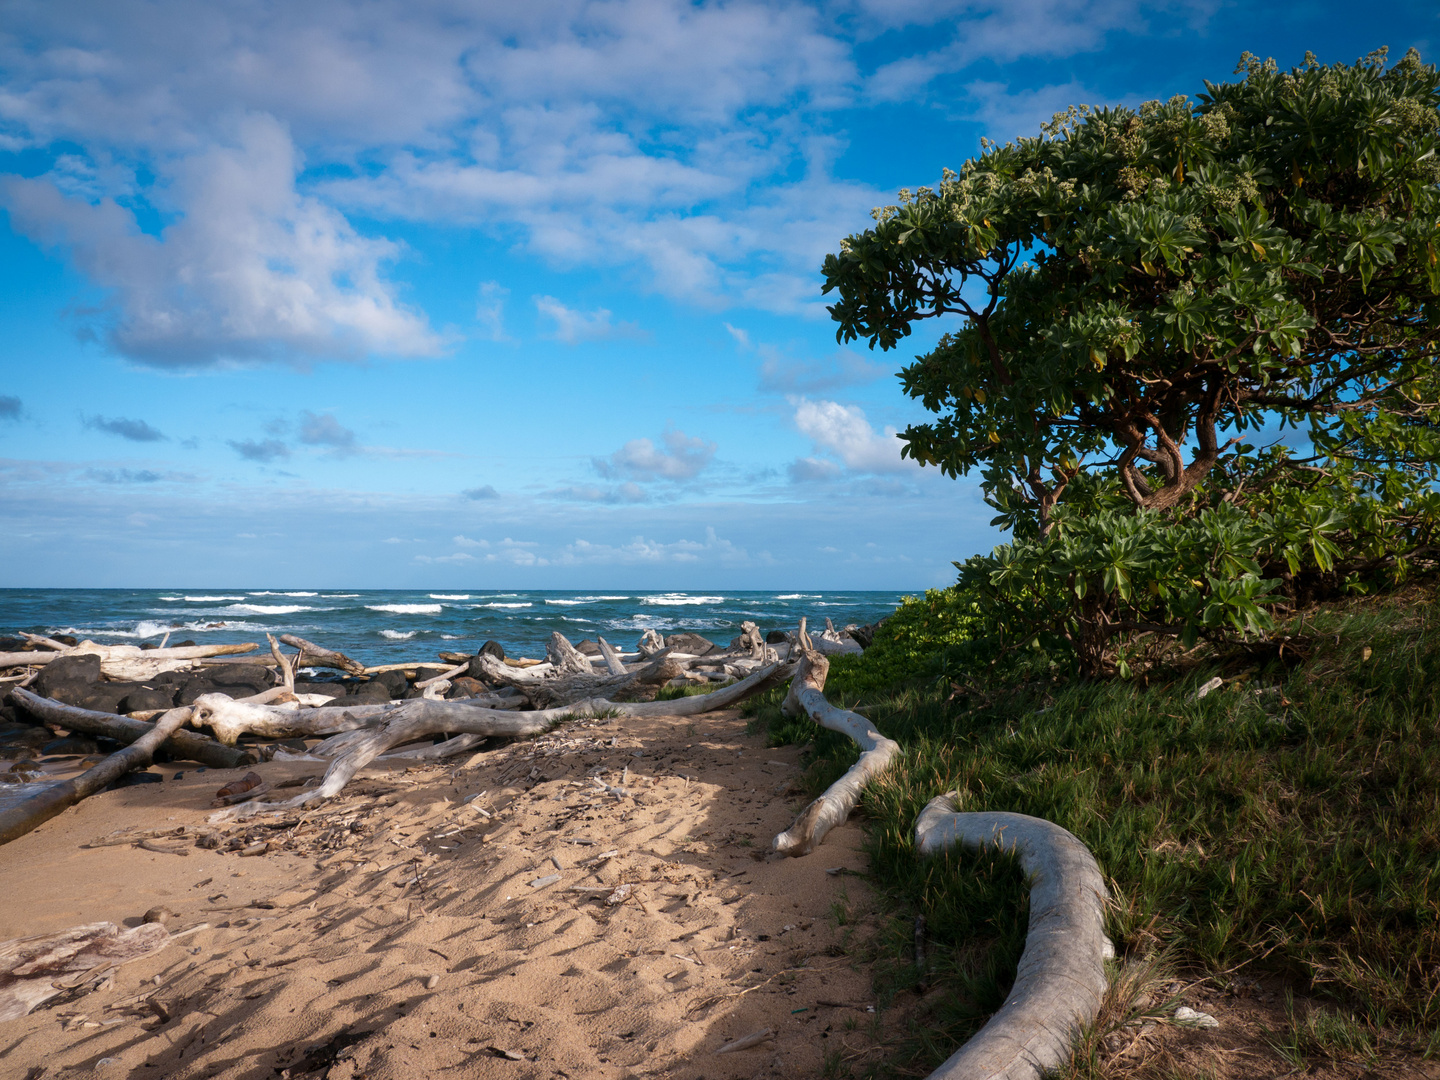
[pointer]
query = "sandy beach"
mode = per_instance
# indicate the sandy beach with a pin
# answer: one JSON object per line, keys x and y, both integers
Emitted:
{"x": 468, "y": 919}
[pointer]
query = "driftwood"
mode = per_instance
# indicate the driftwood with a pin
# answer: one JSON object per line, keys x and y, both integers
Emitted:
{"x": 410, "y": 721}
{"x": 565, "y": 658}
{"x": 1060, "y": 981}
{"x": 54, "y": 798}
{"x": 186, "y": 745}
{"x": 613, "y": 661}
{"x": 807, "y": 698}
{"x": 312, "y": 655}
{"x": 650, "y": 643}
{"x": 35, "y": 969}
{"x": 127, "y": 662}
{"x": 547, "y": 688}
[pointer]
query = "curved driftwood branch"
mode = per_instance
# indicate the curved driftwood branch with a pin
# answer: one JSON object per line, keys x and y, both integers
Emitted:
{"x": 807, "y": 698}
{"x": 52, "y": 799}
{"x": 312, "y": 655}
{"x": 409, "y": 721}
{"x": 187, "y": 745}
{"x": 1060, "y": 981}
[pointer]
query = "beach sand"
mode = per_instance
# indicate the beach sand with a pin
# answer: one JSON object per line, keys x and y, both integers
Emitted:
{"x": 395, "y": 932}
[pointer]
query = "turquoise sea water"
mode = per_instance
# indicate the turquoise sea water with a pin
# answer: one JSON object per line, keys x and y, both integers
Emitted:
{"x": 382, "y": 626}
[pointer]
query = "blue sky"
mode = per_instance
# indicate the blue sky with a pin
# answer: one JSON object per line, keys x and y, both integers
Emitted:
{"x": 433, "y": 294}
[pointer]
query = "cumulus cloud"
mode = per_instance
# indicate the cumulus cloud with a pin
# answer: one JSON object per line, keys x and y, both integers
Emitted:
{"x": 681, "y": 458}
{"x": 811, "y": 470}
{"x": 572, "y": 326}
{"x": 481, "y": 493}
{"x": 263, "y": 451}
{"x": 10, "y": 407}
{"x": 642, "y": 550}
{"x": 628, "y": 492}
{"x": 250, "y": 269}
{"x": 844, "y": 431}
{"x": 125, "y": 428}
{"x": 323, "y": 429}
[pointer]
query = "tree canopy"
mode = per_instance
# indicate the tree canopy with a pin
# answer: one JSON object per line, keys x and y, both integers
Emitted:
{"x": 1136, "y": 285}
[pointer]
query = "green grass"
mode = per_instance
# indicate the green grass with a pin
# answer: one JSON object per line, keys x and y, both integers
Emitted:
{"x": 1296, "y": 831}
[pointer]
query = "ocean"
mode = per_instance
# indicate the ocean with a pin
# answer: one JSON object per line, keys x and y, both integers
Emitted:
{"x": 388, "y": 626}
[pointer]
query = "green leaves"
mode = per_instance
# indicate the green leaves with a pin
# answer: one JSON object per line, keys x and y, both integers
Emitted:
{"x": 1143, "y": 279}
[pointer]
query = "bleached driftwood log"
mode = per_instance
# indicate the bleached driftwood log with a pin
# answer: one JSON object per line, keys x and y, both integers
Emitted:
{"x": 36, "y": 969}
{"x": 187, "y": 745}
{"x": 565, "y": 658}
{"x": 51, "y": 799}
{"x": 752, "y": 641}
{"x": 650, "y": 643}
{"x": 1060, "y": 981}
{"x": 550, "y": 688}
{"x": 410, "y": 721}
{"x": 807, "y": 698}
{"x": 128, "y": 662}
{"x": 312, "y": 655}
{"x": 613, "y": 662}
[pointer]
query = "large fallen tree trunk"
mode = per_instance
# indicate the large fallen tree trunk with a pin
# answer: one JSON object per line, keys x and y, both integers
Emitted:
{"x": 54, "y": 798}
{"x": 1060, "y": 981}
{"x": 410, "y": 721}
{"x": 550, "y": 690}
{"x": 187, "y": 745}
{"x": 807, "y": 698}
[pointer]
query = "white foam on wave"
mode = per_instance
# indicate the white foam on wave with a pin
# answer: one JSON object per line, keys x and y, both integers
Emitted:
{"x": 798, "y": 596}
{"x": 406, "y": 609}
{"x": 283, "y": 594}
{"x": 449, "y": 596}
{"x": 210, "y": 599}
{"x": 680, "y": 600}
{"x": 268, "y": 609}
{"x": 602, "y": 598}
{"x": 398, "y": 635}
{"x": 504, "y": 605}
{"x": 340, "y": 596}
{"x": 566, "y": 603}
{"x": 172, "y": 598}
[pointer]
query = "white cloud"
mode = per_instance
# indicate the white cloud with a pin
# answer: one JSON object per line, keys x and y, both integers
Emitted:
{"x": 323, "y": 429}
{"x": 844, "y": 431}
{"x": 682, "y": 458}
{"x": 741, "y": 337}
{"x": 456, "y": 557}
{"x": 642, "y": 550}
{"x": 250, "y": 270}
{"x": 466, "y": 542}
{"x": 572, "y": 326}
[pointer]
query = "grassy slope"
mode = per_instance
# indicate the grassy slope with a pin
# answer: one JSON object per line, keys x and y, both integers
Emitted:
{"x": 1296, "y": 829}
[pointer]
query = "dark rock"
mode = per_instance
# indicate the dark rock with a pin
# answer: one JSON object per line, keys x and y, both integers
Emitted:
{"x": 71, "y": 744}
{"x": 182, "y": 644}
{"x": 463, "y": 687}
{"x": 148, "y": 645}
{"x": 146, "y": 700}
{"x": 65, "y": 639}
{"x": 863, "y": 635}
{"x": 15, "y": 644}
{"x": 97, "y": 697}
{"x": 251, "y": 676}
{"x": 195, "y": 687}
{"x": 134, "y": 779}
{"x": 169, "y": 678}
{"x": 493, "y": 648}
{"x": 25, "y": 737}
{"x": 588, "y": 648}
{"x": 393, "y": 681}
{"x": 693, "y": 644}
{"x": 776, "y": 637}
{"x": 66, "y": 670}
{"x": 372, "y": 693}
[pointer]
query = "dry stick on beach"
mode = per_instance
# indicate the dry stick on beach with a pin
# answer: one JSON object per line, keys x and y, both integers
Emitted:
{"x": 52, "y": 799}
{"x": 416, "y": 719}
{"x": 312, "y": 655}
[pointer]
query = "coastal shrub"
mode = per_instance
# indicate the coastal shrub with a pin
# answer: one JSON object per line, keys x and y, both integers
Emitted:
{"x": 1145, "y": 293}
{"x": 909, "y": 644}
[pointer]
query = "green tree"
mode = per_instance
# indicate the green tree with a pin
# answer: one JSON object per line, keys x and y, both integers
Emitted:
{"x": 1134, "y": 285}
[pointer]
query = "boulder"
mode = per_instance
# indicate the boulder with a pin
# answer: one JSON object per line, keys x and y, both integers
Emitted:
{"x": 71, "y": 744}
{"x": 863, "y": 635}
{"x": 251, "y": 677}
{"x": 493, "y": 648}
{"x": 146, "y": 700}
{"x": 775, "y": 637}
{"x": 465, "y": 687}
{"x": 374, "y": 692}
{"x": 67, "y": 670}
{"x": 588, "y": 648}
{"x": 193, "y": 688}
{"x": 394, "y": 682}
{"x": 693, "y": 644}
